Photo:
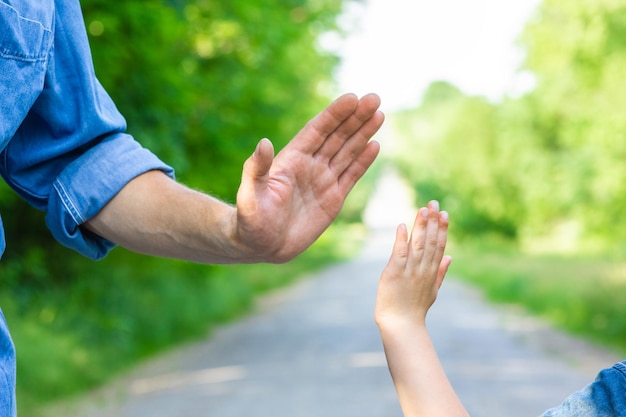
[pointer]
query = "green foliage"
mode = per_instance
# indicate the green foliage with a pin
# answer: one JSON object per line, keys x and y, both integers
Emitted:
{"x": 458, "y": 159}
{"x": 536, "y": 185}
{"x": 578, "y": 51}
{"x": 545, "y": 166}
{"x": 200, "y": 83}
{"x": 575, "y": 293}
{"x": 133, "y": 306}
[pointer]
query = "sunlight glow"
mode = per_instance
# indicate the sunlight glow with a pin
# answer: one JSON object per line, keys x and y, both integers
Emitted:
{"x": 185, "y": 379}
{"x": 396, "y": 48}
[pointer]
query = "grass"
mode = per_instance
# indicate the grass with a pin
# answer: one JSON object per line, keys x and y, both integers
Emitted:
{"x": 74, "y": 338}
{"x": 584, "y": 295}
{"x": 70, "y": 340}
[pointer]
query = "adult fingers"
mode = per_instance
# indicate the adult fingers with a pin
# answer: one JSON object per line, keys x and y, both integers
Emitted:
{"x": 315, "y": 133}
{"x": 351, "y": 131}
{"x": 259, "y": 164}
{"x": 255, "y": 175}
{"x": 350, "y": 148}
{"x": 358, "y": 167}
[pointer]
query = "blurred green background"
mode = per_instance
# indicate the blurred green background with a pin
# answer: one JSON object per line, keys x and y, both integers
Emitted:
{"x": 200, "y": 83}
{"x": 535, "y": 185}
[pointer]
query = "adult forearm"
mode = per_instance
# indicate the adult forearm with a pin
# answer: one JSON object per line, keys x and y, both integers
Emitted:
{"x": 421, "y": 383}
{"x": 284, "y": 202}
{"x": 155, "y": 215}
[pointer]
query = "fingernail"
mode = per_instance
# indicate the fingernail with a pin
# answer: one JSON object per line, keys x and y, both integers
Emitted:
{"x": 444, "y": 216}
{"x": 258, "y": 146}
{"x": 435, "y": 205}
{"x": 424, "y": 212}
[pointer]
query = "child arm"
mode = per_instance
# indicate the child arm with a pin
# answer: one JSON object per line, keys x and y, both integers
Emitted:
{"x": 407, "y": 289}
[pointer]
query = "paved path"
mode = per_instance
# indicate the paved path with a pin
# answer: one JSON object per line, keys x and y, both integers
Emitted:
{"x": 312, "y": 350}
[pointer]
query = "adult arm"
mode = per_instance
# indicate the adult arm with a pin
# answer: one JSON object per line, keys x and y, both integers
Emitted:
{"x": 283, "y": 205}
{"x": 407, "y": 289}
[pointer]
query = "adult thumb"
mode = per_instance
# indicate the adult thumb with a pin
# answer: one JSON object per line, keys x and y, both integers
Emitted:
{"x": 258, "y": 165}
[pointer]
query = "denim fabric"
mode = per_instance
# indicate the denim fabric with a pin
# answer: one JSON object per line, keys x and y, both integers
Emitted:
{"x": 25, "y": 43}
{"x": 69, "y": 154}
{"x": 7, "y": 372}
{"x": 605, "y": 397}
{"x": 63, "y": 145}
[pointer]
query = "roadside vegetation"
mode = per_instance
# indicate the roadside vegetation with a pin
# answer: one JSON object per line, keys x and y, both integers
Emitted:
{"x": 536, "y": 183}
{"x": 200, "y": 83}
{"x": 73, "y": 338}
{"x": 579, "y": 294}
{"x": 541, "y": 174}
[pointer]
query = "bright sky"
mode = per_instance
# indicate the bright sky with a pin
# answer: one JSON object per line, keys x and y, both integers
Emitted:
{"x": 396, "y": 48}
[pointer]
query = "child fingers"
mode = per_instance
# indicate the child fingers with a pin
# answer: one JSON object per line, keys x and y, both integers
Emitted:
{"x": 431, "y": 244}
{"x": 442, "y": 234}
{"x": 417, "y": 242}
{"x": 443, "y": 270}
{"x": 429, "y": 236}
{"x": 400, "y": 245}
{"x": 399, "y": 253}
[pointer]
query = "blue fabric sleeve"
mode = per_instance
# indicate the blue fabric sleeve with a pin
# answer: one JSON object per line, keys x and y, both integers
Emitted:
{"x": 69, "y": 154}
{"x": 26, "y": 35}
{"x": 88, "y": 183}
{"x": 605, "y": 397}
{"x": 7, "y": 371}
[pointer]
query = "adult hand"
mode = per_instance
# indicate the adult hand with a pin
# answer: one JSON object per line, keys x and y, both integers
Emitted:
{"x": 285, "y": 203}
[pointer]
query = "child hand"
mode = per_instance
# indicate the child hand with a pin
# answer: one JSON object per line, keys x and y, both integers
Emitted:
{"x": 412, "y": 277}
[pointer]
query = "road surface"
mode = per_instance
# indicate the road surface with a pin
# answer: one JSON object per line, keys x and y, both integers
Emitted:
{"x": 313, "y": 350}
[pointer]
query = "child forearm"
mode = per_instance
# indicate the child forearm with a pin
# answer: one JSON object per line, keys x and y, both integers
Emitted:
{"x": 408, "y": 287}
{"x": 421, "y": 383}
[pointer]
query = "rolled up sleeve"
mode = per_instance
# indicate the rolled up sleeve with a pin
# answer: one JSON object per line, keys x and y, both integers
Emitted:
{"x": 70, "y": 154}
{"x": 90, "y": 182}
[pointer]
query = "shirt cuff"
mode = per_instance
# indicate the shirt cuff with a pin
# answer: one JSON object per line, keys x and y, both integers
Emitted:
{"x": 89, "y": 183}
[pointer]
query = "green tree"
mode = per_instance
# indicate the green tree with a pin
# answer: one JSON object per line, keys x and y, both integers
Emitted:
{"x": 452, "y": 152}
{"x": 200, "y": 83}
{"x": 577, "y": 51}
{"x": 549, "y": 160}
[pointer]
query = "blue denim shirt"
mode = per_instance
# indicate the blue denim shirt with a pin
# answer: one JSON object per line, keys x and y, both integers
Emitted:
{"x": 605, "y": 397}
{"x": 63, "y": 145}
